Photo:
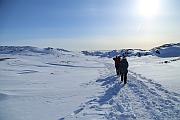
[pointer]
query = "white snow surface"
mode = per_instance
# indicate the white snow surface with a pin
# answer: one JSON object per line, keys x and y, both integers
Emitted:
{"x": 56, "y": 84}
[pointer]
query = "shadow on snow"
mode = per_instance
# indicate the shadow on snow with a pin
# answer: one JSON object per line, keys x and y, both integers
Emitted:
{"x": 112, "y": 85}
{"x": 74, "y": 66}
{"x": 113, "y": 90}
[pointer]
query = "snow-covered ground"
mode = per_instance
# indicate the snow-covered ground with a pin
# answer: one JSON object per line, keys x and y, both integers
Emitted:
{"x": 157, "y": 69}
{"x": 55, "y": 84}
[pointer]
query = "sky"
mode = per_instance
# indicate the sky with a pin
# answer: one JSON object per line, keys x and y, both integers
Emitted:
{"x": 89, "y": 24}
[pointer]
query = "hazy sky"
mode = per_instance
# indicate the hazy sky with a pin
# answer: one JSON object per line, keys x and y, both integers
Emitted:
{"x": 89, "y": 24}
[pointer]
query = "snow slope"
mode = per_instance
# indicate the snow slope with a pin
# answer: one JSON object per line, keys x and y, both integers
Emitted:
{"x": 57, "y": 84}
{"x": 162, "y": 70}
{"x": 167, "y": 50}
{"x": 141, "y": 99}
{"x": 37, "y": 86}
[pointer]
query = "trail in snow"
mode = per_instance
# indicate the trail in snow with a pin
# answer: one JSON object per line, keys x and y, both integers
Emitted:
{"x": 140, "y": 99}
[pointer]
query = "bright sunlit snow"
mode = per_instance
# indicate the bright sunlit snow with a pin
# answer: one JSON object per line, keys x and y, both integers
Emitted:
{"x": 57, "y": 84}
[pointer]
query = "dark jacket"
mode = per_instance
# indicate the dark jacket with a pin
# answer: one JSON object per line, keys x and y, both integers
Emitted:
{"x": 117, "y": 61}
{"x": 124, "y": 66}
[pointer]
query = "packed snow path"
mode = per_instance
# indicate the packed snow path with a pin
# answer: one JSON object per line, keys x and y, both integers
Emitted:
{"x": 139, "y": 99}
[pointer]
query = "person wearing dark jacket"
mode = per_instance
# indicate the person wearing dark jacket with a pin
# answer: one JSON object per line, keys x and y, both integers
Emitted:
{"x": 124, "y": 69}
{"x": 117, "y": 60}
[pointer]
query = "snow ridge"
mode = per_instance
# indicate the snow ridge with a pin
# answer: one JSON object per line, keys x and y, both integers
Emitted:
{"x": 167, "y": 50}
{"x": 26, "y": 50}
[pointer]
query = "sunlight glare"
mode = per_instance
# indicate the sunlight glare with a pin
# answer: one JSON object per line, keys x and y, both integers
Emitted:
{"x": 149, "y": 8}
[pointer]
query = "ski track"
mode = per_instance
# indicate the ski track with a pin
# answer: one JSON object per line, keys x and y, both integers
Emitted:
{"x": 139, "y": 99}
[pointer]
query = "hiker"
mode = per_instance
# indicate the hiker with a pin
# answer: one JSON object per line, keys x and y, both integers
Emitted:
{"x": 117, "y": 60}
{"x": 124, "y": 69}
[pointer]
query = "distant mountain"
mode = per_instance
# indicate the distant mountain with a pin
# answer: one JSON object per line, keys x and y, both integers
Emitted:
{"x": 166, "y": 50}
{"x": 27, "y": 50}
{"x": 126, "y": 52}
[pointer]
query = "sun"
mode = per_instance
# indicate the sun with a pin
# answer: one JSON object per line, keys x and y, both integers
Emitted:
{"x": 148, "y": 8}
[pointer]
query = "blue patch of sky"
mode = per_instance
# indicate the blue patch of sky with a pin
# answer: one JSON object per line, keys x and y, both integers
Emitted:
{"x": 42, "y": 19}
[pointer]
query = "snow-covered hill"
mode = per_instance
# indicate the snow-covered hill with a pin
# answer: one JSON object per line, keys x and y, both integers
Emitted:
{"x": 27, "y": 50}
{"x": 167, "y": 50}
{"x": 57, "y": 84}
